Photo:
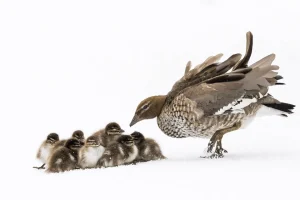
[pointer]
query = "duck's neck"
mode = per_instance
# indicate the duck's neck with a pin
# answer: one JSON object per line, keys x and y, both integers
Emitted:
{"x": 159, "y": 103}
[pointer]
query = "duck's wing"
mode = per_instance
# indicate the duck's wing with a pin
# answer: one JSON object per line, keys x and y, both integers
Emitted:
{"x": 210, "y": 68}
{"x": 224, "y": 90}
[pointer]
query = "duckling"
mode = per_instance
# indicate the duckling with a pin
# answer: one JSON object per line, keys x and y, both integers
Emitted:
{"x": 91, "y": 152}
{"x": 109, "y": 134}
{"x": 45, "y": 149}
{"x": 148, "y": 148}
{"x": 64, "y": 158}
{"x": 123, "y": 151}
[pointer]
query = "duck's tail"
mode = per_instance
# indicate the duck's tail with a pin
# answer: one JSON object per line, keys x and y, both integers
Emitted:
{"x": 280, "y": 108}
{"x": 268, "y": 105}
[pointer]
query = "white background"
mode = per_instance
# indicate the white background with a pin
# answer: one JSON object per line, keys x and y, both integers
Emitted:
{"x": 68, "y": 65}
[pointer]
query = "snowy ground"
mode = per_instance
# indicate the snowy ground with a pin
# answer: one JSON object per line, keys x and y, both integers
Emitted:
{"x": 68, "y": 65}
{"x": 262, "y": 163}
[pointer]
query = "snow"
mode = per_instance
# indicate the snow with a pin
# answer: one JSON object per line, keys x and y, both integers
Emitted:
{"x": 69, "y": 65}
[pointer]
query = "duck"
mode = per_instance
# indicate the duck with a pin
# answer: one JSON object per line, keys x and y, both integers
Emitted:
{"x": 109, "y": 134}
{"x": 148, "y": 148}
{"x": 121, "y": 152}
{"x": 64, "y": 158}
{"x": 91, "y": 152}
{"x": 45, "y": 149}
{"x": 214, "y": 98}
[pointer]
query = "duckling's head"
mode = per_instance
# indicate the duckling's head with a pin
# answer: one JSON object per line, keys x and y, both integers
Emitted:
{"x": 127, "y": 140}
{"x": 52, "y": 138}
{"x": 137, "y": 137}
{"x": 113, "y": 128}
{"x": 73, "y": 144}
{"x": 78, "y": 134}
{"x": 149, "y": 108}
{"x": 93, "y": 141}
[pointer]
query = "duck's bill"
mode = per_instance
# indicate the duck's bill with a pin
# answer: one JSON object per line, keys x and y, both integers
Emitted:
{"x": 116, "y": 132}
{"x": 130, "y": 142}
{"x": 121, "y": 131}
{"x": 92, "y": 144}
{"x": 134, "y": 120}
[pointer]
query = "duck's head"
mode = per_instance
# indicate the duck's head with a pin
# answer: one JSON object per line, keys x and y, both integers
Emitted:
{"x": 137, "y": 137}
{"x": 113, "y": 128}
{"x": 93, "y": 141}
{"x": 52, "y": 138}
{"x": 78, "y": 134}
{"x": 127, "y": 140}
{"x": 149, "y": 108}
{"x": 73, "y": 144}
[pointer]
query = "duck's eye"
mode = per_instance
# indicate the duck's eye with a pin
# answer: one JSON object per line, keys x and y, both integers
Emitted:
{"x": 145, "y": 106}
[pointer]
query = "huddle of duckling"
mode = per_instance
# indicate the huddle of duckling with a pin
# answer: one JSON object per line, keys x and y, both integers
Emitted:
{"x": 108, "y": 147}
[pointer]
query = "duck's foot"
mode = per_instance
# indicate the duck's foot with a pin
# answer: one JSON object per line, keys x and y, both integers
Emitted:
{"x": 41, "y": 167}
{"x": 219, "y": 153}
{"x": 216, "y": 140}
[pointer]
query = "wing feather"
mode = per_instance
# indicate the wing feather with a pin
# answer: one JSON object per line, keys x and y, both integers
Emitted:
{"x": 213, "y": 86}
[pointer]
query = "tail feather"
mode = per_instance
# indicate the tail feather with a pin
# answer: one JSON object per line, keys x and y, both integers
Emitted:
{"x": 284, "y": 107}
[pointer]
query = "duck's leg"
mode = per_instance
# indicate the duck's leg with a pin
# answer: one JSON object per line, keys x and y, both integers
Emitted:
{"x": 41, "y": 167}
{"x": 217, "y": 139}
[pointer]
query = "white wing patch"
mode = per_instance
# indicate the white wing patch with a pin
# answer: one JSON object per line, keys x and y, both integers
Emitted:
{"x": 237, "y": 106}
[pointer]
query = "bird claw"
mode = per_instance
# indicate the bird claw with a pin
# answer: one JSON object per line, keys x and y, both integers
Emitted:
{"x": 214, "y": 155}
{"x": 217, "y": 154}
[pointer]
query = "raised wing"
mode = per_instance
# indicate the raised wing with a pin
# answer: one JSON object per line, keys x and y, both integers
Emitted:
{"x": 210, "y": 68}
{"x": 259, "y": 76}
{"x": 220, "y": 91}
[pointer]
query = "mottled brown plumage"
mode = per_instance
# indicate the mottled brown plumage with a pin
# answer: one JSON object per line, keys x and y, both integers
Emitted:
{"x": 123, "y": 151}
{"x": 215, "y": 98}
{"x": 109, "y": 134}
{"x": 148, "y": 148}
